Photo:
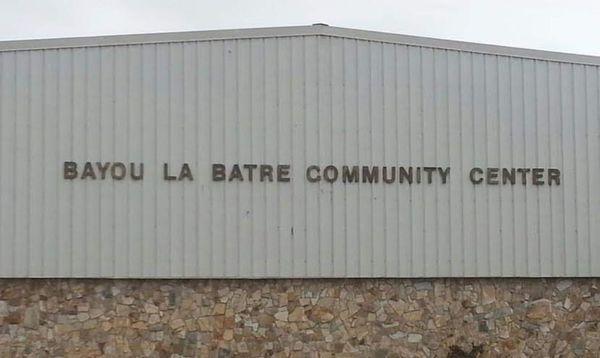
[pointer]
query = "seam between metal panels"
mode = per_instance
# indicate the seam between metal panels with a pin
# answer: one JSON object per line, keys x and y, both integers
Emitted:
{"x": 500, "y": 163}
{"x": 449, "y": 156}
{"x": 590, "y": 209}
{"x": 435, "y": 155}
{"x": 562, "y": 165}
{"x": 485, "y": 109}
{"x": 292, "y": 264}
{"x": 238, "y": 151}
{"x": 251, "y": 130}
{"x": 283, "y": 238}
{"x": 344, "y": 97}
{"x": 472, "y": 118}
{"x": 410, "y": 114}
{"x": 575, "y": 176}
{"x": 459, "y": 104}
{"x": 524, "y": 120}
{"x": 587, "y": 168}
{"x": 2, "y": 96}
{"x": 44, "y": 118}
{"x": 195, "y": 149}
{"x": 318, "y": 92}
{"x": 57, "y": 112}
{"x": 142, "y": 157}
{"x": 536, "y": 121}
{"x": 28, "y": 119}
{"x": 550, "y": 162}
{"x": 384, "y": 196}
{"x": 304, "y": 150}
{"x": 396, "y": 121}
{"x": 357, "y": 108}
{"x": 370, "y": 161}
{"x": 331, "y": 149}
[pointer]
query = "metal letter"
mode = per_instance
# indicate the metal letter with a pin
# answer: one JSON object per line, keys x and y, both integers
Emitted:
{"x": 370, "y": 175}
{"x": 266, "y": 171}
{"x": 135, "y": 176}
{"x": 88, "y": 171}
{"x": 492, "y": 176}
{"x": 508, "y": 176}
{"x": 218, "y": 172}
{"x": 444, "y": 174}
{"x": 283, "y": 172}
{"x": 113, "y": 171}
{"x": 185, "y": 172}
{"x": 537, "y": 176}
{"x": 523, "y": 172}
{"x": 403, "y": 173}
{"x": 553, "y": 176}
{"x": 384, "y": 175}
{"x": 103, "y": 169}
{"x": 330, "y": 178}
{"x": 250, "y": 168}
{"x": 309, "y": 177}
{"x": 429, "y": 171}
{"x": 166, "y": 175}
{"x": 350, "y": 176}
{"x": 236, "y": 173}
{"x": 472, "y": 175}
{"x": 70, "y": 170}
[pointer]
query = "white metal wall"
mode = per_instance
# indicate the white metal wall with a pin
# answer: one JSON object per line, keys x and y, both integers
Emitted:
{"x": 301, "y": 100}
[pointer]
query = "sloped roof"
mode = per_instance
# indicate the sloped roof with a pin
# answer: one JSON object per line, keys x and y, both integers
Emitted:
{"x": 314, "y": 30}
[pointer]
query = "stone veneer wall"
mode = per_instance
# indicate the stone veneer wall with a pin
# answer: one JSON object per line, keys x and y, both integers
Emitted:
{"x": 345, "y": 317}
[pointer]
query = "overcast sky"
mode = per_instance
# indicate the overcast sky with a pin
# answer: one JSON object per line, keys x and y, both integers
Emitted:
{"x": 567, "y": 25}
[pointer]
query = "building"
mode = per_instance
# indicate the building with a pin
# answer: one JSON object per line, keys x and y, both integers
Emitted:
{"x": 409, "y": 196}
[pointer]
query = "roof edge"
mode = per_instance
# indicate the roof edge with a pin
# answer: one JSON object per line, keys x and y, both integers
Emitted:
{"x": 463, "y": 46}
{"x": 159, "y": 37}
{"x": 287, "y": 31}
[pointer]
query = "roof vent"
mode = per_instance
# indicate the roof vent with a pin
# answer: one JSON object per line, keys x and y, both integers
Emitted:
{"x": 320, "y": 24}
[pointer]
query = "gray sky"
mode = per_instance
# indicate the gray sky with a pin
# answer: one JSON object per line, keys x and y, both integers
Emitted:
{"x": 567, "y": 25}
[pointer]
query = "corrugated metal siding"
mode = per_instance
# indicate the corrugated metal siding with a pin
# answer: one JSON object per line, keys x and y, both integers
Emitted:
{"x": 301, "y": 100}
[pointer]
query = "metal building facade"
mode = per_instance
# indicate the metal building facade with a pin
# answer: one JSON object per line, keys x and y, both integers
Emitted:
{"x": 304, "y": 96}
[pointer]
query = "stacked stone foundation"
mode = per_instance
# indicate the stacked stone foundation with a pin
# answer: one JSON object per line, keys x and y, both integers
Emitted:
{"x": 300, "y": 318}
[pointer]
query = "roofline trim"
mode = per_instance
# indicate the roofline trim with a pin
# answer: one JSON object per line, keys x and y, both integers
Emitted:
{"x": 290, "y": 31}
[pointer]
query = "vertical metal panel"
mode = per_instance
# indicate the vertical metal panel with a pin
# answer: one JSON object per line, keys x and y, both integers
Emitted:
{"x": 455, "y": 235}
{"x": 22, "y": 149}
{"x": 339, "y": 225}
{"x": 403, "y": 111}
{"x": 305, "y": 100}
{"x": 351, "y": 150}
{"x": 390, "y": 157}
{"x": 467, "y": 152}
{"x": 7, "y": 160}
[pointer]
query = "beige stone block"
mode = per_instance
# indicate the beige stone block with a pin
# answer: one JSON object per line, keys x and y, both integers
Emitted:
{"x": 540, "y": 310}
{"x": 228, "y": 334}
{"x": 488, "y": 294}
{"x": 205, "y": 324}
{"x": 219, "y": 309}
{"x": 413, "y": 315}
{"x": 282, "y": 315}
{"x": 297, "y": 315}
{"x": 177, "y": 324}
{"x": 96, "y": 312}
{"x": 150, "y": 308}
{"x": 154, "y": 319}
